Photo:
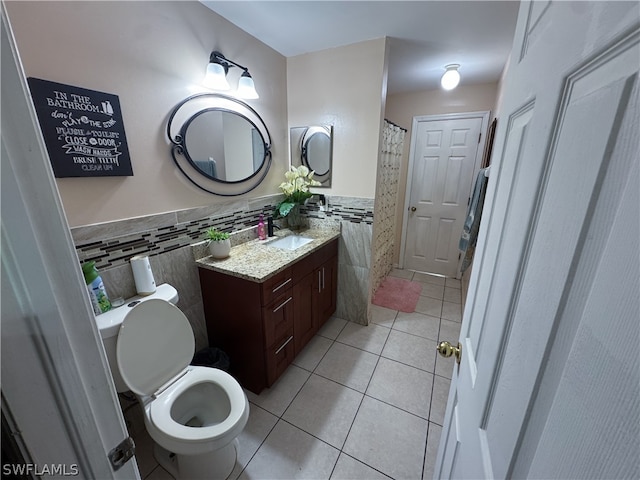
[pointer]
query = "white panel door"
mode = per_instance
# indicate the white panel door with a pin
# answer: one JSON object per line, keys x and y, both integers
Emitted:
{"x": 56, "y": 384}
{"x": 443, "y": 160}
{"x": 550, "y": 330}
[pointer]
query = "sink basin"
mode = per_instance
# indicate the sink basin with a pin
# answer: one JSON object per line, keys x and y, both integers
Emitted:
{"x": 291, "y": 242}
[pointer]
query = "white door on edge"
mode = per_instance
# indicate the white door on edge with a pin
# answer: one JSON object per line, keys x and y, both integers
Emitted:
{"x": 57, "y": 391}
{"x": 548, "y": 385}
{"x": 443, "y": 159}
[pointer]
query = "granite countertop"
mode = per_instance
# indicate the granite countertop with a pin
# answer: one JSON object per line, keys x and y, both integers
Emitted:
{"x": 257, "y": 261}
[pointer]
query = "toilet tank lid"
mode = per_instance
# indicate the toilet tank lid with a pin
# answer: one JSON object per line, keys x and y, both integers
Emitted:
{"x": 109, "y": 322}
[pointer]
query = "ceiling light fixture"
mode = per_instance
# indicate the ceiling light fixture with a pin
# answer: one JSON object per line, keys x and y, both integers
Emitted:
{"x": 451, "y": 77}
{"x": 216, "y": 76}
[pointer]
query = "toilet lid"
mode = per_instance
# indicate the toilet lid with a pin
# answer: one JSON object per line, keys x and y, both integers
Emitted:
{"x": 155, "y": 343}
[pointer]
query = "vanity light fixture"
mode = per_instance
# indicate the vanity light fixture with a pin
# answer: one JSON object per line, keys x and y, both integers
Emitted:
{"x": 216, "y": 76}
{"x": 451, "y": 77}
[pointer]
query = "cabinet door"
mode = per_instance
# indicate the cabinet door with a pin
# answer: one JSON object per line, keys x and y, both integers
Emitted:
{"x": 325, "y": 305}
{"x": 233, "y": 315}
{"x": 304, "y": 323}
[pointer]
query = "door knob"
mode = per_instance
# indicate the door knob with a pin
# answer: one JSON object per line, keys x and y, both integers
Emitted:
{"x": 446, "y": 350}
{"x": 413, "y": 209}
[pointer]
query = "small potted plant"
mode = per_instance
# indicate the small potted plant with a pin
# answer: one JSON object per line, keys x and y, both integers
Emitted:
{"x": 219, "y": 243}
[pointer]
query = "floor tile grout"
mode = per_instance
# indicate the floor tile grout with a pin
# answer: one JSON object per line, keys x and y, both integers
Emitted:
{"x": 360, "y": 461}
{"x": 313, "y": 372}
{"x": 341, "y": 449}
{"x": 364, "y": 394}
{"x": 391, "y": 327}
{"x": 262, "y": 442}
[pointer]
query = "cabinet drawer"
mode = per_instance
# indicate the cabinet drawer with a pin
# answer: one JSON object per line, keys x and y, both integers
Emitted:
{"x": 278, "y": 318}
{"x": 276, "y": 285}
{"x": 279, "y": 356}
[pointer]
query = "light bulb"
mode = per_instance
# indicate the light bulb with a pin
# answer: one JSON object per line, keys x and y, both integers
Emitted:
{"x": 451, "y": 78}
{"x": 246, "y": 87}
{"x": 216, "y": 77}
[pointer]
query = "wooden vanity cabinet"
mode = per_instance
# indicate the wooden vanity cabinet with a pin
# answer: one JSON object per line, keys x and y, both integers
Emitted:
{"x": 262, "y": 326}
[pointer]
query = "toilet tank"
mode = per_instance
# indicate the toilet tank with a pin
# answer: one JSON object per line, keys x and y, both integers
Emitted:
{"x": 109, "y": 326}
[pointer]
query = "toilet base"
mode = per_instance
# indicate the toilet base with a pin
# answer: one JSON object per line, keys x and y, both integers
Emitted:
{"x": 166, "y": 459}
{"x": 208, "y": 466}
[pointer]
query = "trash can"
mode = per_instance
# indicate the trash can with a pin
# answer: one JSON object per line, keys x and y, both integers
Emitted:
{"x": 211, "y": 357}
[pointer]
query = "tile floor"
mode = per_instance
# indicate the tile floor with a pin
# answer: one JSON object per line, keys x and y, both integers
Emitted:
{"x": 357, "y": 403}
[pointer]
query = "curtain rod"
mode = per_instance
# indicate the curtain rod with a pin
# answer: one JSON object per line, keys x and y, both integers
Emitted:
{"x": 395, "y": 124}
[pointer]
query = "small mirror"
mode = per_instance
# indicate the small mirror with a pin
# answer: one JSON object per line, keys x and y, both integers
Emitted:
{"x": 313, "y": 147}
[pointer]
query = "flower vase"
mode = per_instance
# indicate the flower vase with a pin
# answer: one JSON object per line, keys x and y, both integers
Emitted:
{"x": 294, "y": 218}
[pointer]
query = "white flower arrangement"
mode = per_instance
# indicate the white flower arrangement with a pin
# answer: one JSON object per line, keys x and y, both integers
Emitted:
{"x": 295, "y": 189}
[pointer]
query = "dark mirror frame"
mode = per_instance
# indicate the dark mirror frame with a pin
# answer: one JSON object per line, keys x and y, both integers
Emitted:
{"x": 193, "y": 107}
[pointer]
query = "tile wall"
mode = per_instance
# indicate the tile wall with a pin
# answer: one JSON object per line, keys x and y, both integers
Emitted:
{"x": 166, "y": 239}
{"x": 354, "y": 262}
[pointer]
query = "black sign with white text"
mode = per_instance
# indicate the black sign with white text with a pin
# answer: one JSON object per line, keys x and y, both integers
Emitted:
{"x": 83, "y": 130}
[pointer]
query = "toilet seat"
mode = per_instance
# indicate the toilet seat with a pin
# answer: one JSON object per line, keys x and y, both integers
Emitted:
{"x": 160, "y": 409}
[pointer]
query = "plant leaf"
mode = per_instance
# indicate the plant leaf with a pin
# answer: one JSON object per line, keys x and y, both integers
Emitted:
{"x": 285, "y": 208}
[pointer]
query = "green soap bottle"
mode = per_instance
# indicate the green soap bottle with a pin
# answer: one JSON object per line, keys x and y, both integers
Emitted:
{"x": 97, "y": 292}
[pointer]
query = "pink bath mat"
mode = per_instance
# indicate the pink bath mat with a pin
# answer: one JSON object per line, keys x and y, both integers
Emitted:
{"x": 397, "y": 294}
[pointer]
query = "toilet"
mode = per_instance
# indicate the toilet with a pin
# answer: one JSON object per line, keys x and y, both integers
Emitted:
{"x": 193, "y": 414}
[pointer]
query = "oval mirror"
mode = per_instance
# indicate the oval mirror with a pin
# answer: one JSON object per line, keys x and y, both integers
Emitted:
{"x": 316, "y": 150}
{"x": 224, "y": 146}
{"x": 220, "y": 143}
{"x": 312, "y": 146}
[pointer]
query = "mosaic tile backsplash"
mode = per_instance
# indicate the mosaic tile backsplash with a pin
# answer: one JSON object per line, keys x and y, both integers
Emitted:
{"x": 113, "y": 244}
{"x": 167, "y": 238}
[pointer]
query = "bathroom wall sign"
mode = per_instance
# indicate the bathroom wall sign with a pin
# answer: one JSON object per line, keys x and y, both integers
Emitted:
{"x": 83, "y": 130}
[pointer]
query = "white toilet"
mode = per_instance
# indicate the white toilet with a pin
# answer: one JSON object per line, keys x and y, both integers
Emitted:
{"x": 193, "y": 414}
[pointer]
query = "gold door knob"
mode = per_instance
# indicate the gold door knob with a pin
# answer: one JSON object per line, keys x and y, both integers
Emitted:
{"x": 446, "y": 350}
{"x": 413, "y": 209}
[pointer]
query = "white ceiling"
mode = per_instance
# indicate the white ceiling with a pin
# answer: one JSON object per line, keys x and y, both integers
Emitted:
{"x": 425, "y": 35}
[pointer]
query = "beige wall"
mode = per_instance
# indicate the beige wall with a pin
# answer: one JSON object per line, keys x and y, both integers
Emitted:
{"x": 401, "y": 108}
{"x": 500, "y": 88}
{"x": 152, "y": 55}
{"x": 344, "y": 87}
